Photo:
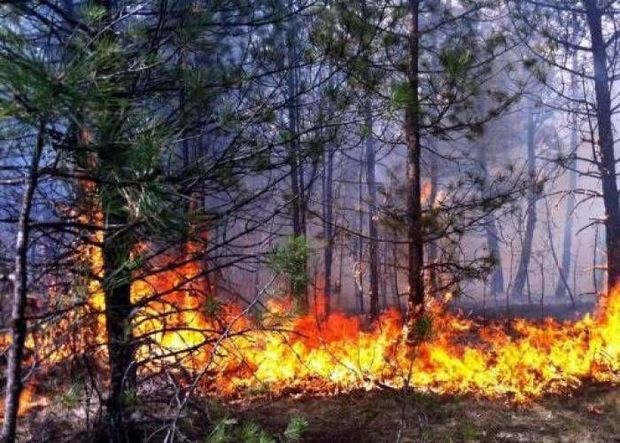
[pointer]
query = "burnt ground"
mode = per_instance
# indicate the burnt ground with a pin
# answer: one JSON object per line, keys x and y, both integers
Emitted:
{"x": 591, "y": 414}
{"x": 588, "y": 415}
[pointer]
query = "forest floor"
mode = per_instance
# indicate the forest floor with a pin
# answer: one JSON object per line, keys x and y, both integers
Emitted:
{"x": 589, "y": 415}
{"x": 592, "y": 414}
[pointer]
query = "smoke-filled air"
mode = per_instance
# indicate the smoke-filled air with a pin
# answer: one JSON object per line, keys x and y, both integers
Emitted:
{"x": 286, "y": 221}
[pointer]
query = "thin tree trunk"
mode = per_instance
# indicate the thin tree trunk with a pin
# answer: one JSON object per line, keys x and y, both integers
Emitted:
{"x": 492, "y": 236}
{"x": 530, "y": 223}
{"x": 294, "y": 160}
{"x": 20, "y": 290}
{"x": 415, "y": 302}
{"x": 607, "y": 164}
{"x": 433, "y": 252}
{"x": 395, "y": 271}
{"x": 328, "y": 227}
{"x": 373, "y": 259}
{"x": 562, "y": 286}
{"x": 359, "y": 287}
{"x": 564, "y": 271}
{"x": 565, "y": 284}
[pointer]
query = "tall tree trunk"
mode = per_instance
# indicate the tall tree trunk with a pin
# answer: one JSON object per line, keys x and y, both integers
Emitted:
{"x": 116, "y": 250}
{"x": 433, "y": 251}
{"x": 564, "y": 271}
{"x": 561, "y": 287}
{"x": 492, "y": 237}
{"x": 607, "y": 164}
{"x": 293, "y": 144}
{"x": 359, "y": 243}
{"x": 20, "y": 290}
{"x": 415, "y": 302}
{"x": 373, "y": 232}
{"x": 292, "y": 107}
{"x": 328, "y": 226}
{"x": 530, "y": 223}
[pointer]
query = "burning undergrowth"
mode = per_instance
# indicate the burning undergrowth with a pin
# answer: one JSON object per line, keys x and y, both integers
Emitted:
{"x": 234, "y": 351}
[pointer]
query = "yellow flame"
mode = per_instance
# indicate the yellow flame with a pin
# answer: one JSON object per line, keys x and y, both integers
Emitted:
{"x": 187, "y": 331}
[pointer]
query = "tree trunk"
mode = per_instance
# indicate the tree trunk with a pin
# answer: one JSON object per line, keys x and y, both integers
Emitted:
{"x": 328, "y": 226}
{"x": 415, "y": 302}
{"x": 433, "y": 250}
{"x": 297, "y": 182}
{"x": 359, "y": 243}
{"x": 530, "y": 224}
{"x": 373, "y": 259}
{"x": 490, "y": 228}
{"x": 607, "y": 164}
{"x": 20, "y": 291}
{"x": 564, "y": 271}
{"x": 561, "y": 287}
{"x": 117, "y": 291}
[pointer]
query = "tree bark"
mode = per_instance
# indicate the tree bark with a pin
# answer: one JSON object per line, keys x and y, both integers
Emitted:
{"x": 117, "y": 291}
{"x": 530, "y": 223}
{"x": 415, "y": 302}
{"x": 328, "y": 226}
{"x": 20, "y": 290}
{"x": 607, "y": 164}
{"x": 433, "y": 250}
{"x": 359, "y": 243}
{"x": 561, "y": 287}
{"x": 492, "y": 237}
{"x": 373, "y": 232}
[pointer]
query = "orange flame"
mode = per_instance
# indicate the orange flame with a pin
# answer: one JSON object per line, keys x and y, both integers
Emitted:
{"x": 237, "y": 352}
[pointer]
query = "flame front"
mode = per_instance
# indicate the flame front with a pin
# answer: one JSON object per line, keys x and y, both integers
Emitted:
{"x": 227, "y": 349}
{"x": 530, "y": 360}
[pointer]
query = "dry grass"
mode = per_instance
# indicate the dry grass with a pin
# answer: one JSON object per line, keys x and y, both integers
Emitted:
{"x": 590, "y": 415}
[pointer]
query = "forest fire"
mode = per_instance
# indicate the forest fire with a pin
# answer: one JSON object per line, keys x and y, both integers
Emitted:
{"x": 232, "y": 351}
{"x": 531, "y": 360}
{"x": 210, "y": 210}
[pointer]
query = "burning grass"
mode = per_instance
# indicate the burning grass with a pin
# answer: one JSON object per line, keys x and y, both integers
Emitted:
{"x": 236, "y": 352}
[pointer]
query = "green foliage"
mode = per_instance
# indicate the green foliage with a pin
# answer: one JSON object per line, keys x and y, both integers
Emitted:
{"x": 130, "y": 398}
{"x": 71, "y": 398}
{"x": 250, "y": 432}
{"x": 422, "y": 329}
{"x": 295, "y": 429}
{"x": 212, "y": 306}
{"x": 365, "y": 131}
{"x": 401, "y": 95}
{"x": 290, "y": 260}
{"x": 94, "y": 13}
{"x": 231, "y": 431}
{"x": 456, "y": 62}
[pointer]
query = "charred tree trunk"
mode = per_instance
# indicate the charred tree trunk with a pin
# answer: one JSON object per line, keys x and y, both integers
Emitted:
{"x": 530, "y": 223}
{"x": 607, "y": 163}
{"x": 415, "y": 302}
{"x": 18, "y": 325}
{"x": 373, "y": 232}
